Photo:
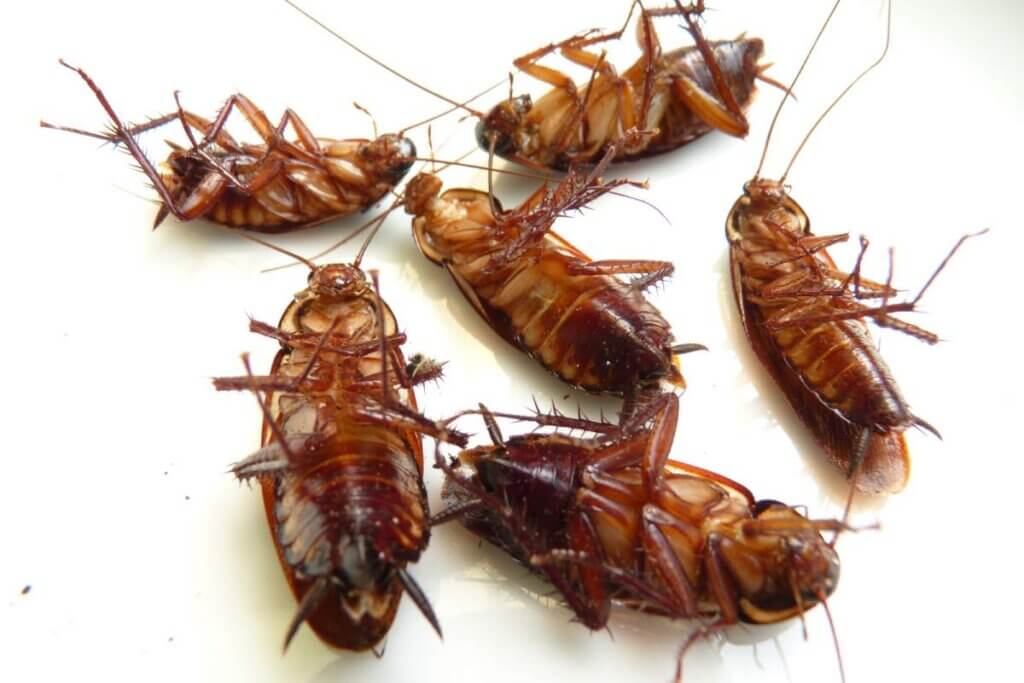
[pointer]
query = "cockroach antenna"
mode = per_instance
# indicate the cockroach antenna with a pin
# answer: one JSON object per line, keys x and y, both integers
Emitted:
{"x": 840, "y": 96}
{"x": 395, "y": 72}
{"x": 789, "y": 90}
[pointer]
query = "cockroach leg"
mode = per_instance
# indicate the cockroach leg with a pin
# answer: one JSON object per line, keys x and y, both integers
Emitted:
{"x": 456, "y": 511}
{"x": 664, "y": 561}
{"x": 492, "y": 427}
{"x": 278, "y": 457}
{"x": 718, "y": 580}
{"x": 421, "y": 369}
{"x": 703, "y": 631}
{"x": 732, "y": 119}
{"x": 369, "y": 410}
{"x": 582, "y": 536}
{"x": 123, "y": 135}
{"x": 114, "y": 138}
{"x": 662, "y": 433}
{"x": 652, "y": 271}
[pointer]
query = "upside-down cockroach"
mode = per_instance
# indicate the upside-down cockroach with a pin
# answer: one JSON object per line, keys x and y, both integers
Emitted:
{"x": 676, "y": 96}
{"x": 273, "y": 187}
{"x": 543, "y": 295}
{"x": 611, "y": 518}
{"x": 682, "y": 95}
{"x": 806, "y": 321}
{"x": 341, "y": 464}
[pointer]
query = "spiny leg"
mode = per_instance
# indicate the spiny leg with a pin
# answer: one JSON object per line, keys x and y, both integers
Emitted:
{"x": 113, "y": 137}
{"x": 121, "y": 132}
{"x": 663, "y": 559}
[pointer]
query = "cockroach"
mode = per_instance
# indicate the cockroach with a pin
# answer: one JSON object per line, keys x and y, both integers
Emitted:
{"x": 341, "y": 464}
{"x": 677, "y": 96}
{"x": 807, "y": 323}
{"x": 273, "y": 187}
{"x": 611, "y": 518}
{"x": 542, "y": 294}
{"x": 682, "y": 95}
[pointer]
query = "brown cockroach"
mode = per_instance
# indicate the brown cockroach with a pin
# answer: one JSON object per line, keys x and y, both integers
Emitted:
{"x": 341, "y": 464}
{"x": 676, "y": 96}
{"x": 611, "y": 518}
{"x": 273, "y": 187}
{"x": 542, "y": 294}
{"x": 682, "y": 95}
{"x": 807, "y": 323}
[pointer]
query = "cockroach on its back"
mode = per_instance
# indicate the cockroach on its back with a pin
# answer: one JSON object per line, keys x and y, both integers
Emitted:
{"x": 676, "y": 96}
{"x": 273, "y": 187}
{"x": 611, "y": 518}
{"x": 806, "y": 321}
{"x": 543, "y": 295}
{"x": 341, "y": 464}
{"x": 682, "y": 95}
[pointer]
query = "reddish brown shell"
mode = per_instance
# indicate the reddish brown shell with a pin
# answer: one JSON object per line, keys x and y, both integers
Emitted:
{"x": 683, "y": 542}
{"x": 547, "y": 133}
{"x": 302, "y": 189}
{"x": 594, "y": 331}
{"x": 829, "y": 370}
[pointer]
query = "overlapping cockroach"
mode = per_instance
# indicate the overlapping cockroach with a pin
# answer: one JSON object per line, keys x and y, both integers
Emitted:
{"x": 807, "y": 323}
{"x": 542, "y": 294}
{"x": 682, "y": 95}
{"x": 341, "y": 467}
{"x": 678, "y": 96}
{"x": 275, "y": 186}
{"x": 611, "y": 518}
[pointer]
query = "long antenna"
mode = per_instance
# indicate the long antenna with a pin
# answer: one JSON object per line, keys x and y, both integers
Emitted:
{"x": 885, "y": 50}
{"x": 252, "y": 238}
{"x": 789, "y": 90}
{"x": 380, "y": 63}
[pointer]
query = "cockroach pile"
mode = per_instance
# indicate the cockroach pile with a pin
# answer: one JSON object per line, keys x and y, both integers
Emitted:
{"x": 597, "y": 508}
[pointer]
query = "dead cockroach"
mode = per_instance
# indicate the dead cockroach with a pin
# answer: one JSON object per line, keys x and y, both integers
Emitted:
{"x": 273, "y": 187}
{"x": 543, "y": 295}
{"x": 682, "y": 95}
{"x": 806, "y": 321}
{"x": 341, "y": 464}
{"x": 612, "y": 518}
{"x": 676, "y": 96}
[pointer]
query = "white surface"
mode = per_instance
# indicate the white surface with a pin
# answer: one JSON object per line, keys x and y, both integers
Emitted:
{"x": 147, "y": 562}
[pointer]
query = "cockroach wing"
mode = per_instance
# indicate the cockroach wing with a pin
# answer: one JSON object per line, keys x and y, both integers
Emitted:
{"x": 886, "y": 465}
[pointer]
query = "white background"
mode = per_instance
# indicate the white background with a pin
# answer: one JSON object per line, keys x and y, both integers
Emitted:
{"x": 148, "y": 562}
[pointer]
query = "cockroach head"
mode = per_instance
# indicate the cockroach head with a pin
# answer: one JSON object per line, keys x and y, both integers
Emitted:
{"x": 753, "y": 50}
{"x": 764, "y": 192}
{"x": 389, "y": 155}
{"x": 337, "y": 279}
{"x": 419, "y": 191}
{"x": 804, "y": 568}
{"x": 502, "y": 124}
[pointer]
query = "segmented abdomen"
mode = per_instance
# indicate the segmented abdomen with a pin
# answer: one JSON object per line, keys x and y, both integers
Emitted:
{"x": 830, "y": 372}
{"x": 593, "y": 331}
{"x": 358, "y": 502}
{"x": 302, "y": 192}
{"x": 601, "y": 125}
{"x": 836, "y": 360}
